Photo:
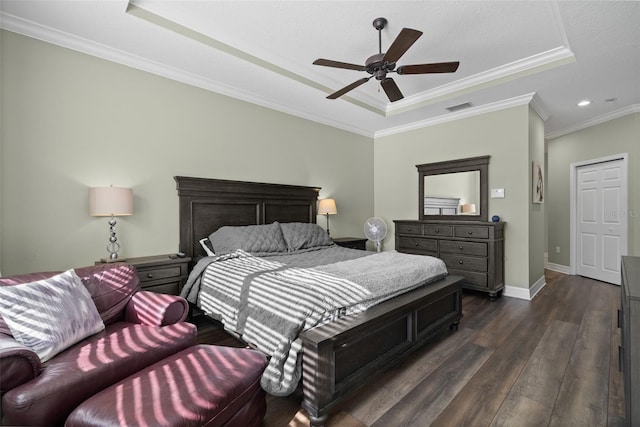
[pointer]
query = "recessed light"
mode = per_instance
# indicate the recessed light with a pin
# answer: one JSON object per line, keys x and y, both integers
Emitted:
{"x": 584, "y": 103}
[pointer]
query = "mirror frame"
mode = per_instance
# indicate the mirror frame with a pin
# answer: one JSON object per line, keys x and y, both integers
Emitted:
{"x": 470, "y": 164}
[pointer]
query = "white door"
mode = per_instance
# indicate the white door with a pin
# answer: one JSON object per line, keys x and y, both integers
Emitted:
{"x": 601, "y": 214}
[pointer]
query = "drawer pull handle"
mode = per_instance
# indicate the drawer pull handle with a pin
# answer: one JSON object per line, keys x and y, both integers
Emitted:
{"x": 460, "y": 262}
{"x": 461, "y": 247}
{"x": 150, "y": 276}
{"x": 620, "y": 359}
{"x": 417, "y": 244}
{"x": 437, "y": 230}
{"x": 470, "y": 233}
{"x": 345, "y": 345}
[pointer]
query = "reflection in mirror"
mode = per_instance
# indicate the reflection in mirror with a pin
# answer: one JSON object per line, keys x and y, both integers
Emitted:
{"x": 454, "y": 189}
{"x": 452, "y": 194}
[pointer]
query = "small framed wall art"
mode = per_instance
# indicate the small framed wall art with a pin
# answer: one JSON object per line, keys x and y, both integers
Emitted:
{"x": 538, "y": 182}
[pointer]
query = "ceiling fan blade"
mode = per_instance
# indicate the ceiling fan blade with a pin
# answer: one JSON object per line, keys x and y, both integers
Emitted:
{"x": 441, "y": 67}
{"x": 391, "y": 89}
{"x": 338, "y": 64}
{"x": 401, "y": 44}
{"x": 346, "y": 89}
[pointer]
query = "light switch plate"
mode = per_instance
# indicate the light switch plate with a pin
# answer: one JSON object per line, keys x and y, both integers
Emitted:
{"x": 497, "y": 193}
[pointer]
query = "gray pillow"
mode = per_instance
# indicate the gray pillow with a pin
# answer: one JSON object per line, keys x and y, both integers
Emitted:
{"x": 303, "y": 235}
{"x": 255, "y": 239}
{"x": 50, "y": 315}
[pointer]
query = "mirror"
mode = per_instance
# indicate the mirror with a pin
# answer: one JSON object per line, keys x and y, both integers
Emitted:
{"x": 454, "y": 190}
{"x": 452, "y": 194}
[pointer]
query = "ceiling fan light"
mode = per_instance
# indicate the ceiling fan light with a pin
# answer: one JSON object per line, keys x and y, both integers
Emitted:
{"x": 380, "y": 64}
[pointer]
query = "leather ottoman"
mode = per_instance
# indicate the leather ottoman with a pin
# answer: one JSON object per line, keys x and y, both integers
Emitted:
{"x": 203, "y": 385}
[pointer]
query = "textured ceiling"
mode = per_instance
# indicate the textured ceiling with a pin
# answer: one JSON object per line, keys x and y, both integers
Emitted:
{"x": 549, "y": 54}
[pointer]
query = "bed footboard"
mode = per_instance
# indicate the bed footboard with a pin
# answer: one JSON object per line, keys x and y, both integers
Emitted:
{"x": 342, "y": 356}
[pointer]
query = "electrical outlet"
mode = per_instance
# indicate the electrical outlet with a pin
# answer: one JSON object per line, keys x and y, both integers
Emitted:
{"x": 557, "y": 249}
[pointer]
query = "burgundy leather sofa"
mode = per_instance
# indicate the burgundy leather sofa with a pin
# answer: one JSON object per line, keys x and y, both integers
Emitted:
{"x": 203, "y": 385}
{"x": 141, "y": 328}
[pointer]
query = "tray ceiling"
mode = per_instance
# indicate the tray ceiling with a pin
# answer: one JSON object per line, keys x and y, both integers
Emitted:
{"x": 549, "y": 54}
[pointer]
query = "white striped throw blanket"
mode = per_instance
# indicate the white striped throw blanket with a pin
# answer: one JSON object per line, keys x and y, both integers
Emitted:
{"x": 269, "y": 304}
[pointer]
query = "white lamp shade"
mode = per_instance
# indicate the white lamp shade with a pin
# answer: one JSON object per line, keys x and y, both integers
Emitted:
{"x": 327, "y": 207}
{"x": 469, "y": 208}
{"x": 107, "y": 201}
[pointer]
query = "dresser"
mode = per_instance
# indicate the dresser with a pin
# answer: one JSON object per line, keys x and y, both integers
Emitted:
{"x": 472, "y": 249}
{"x": 629, "y": 322}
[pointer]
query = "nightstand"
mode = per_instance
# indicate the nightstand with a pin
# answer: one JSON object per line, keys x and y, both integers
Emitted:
{"x": 351, "y": 242}
{"x": 160, "y": 273}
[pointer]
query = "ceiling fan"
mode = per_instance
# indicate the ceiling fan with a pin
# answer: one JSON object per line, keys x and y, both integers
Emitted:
{"x": 382, "y": 63}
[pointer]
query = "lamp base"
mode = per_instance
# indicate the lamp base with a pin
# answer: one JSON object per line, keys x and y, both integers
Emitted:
{"x": 113, "y": 247}
{"x": 328, "y": 233}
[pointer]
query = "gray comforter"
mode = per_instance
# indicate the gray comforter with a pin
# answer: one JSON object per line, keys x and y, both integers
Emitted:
{"x": 268, "y": 303}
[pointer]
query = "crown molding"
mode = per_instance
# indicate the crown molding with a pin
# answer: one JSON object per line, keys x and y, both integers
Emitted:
{"x": 538, "y": 107}
{"x": 595, "y": 121}
{"x": 59, "y": 38}
{"x": 155, "y": 19}
{"x": 462, "y": 114}
{"x": 545, "y": 60}
{"x": 531, "y": 65}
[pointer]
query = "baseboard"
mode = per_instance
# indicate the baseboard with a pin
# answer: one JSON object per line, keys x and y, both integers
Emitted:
{"x": 559, "y": 268}
{"x": 537, "y": 287}
{"x": 525, "y": 293}
{"x": 516, "y": 292}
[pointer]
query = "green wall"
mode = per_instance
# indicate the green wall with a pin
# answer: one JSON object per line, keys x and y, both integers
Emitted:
{"x": 72, "y": 121}
{"x": 537, "y": 224}
{"x": 610, "y": 138}
{"x": 503, "y": 135}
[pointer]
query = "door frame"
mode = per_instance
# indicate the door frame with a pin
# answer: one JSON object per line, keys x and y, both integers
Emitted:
{"x": 573, "y": 200}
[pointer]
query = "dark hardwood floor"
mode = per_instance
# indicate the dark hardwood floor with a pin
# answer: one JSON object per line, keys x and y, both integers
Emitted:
{"x": 552, "y": 361}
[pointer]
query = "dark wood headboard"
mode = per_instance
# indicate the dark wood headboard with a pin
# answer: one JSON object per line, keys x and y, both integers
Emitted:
{"x": 208, "y": 204}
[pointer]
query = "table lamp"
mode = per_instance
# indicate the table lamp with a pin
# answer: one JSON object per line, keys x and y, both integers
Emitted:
{"x": 327, "y": 207}
{"x": 113, "y": 202}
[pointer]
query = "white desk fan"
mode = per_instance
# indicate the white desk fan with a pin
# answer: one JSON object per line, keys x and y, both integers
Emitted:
{"x": 375, "y": 229}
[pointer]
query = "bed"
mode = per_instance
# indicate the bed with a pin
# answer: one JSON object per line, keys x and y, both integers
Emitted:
{"x": 349, "y": 345}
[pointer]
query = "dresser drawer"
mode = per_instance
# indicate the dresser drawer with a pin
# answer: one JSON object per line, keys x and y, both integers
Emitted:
{"x": 415, "y": 244}
{"x": 464, "y": 248}
{"x": 472, "y": 278}
{"x": 469, "y": 248}
{"x": 172, "y": 288}
{"x": 148, "y": 274}
{"x": 410, "y": 229}
{"x": 474, "y": 232}
{"x": 438, "y": 230}
{"x": 465, "y": 263}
